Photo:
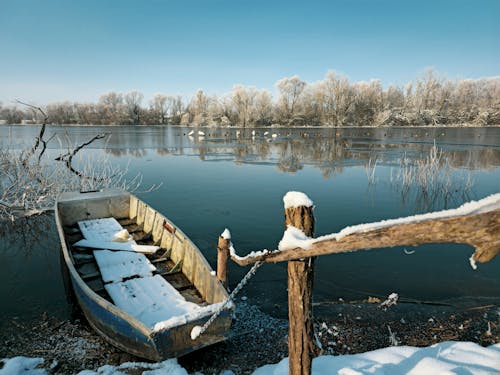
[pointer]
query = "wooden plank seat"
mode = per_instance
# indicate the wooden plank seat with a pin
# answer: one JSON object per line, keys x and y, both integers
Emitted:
{"x": 107, "y": 233}
{"x": 155, "y": 302}
{"x": 120, "y": 265}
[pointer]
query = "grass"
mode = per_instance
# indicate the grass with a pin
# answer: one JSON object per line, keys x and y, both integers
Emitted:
{"x": 427, "y": 183}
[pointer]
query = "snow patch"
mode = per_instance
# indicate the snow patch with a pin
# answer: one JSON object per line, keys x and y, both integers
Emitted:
{"x": 156, "y": 303}
{"x": 253, "y": 254}
{"x": 108, "y": 234}
{"x": 116, "y": 266}
{"x": 473, "y": 262}
{"x": 167, "y": 367}
{"x": 195, "y": 332}
{"x": 122, "y": 236}
{"x": 296, "y": 199}
{"x": 226, "y": 234}
{"x": 390, "y": 301}
{"x": 471, "y": 208}
{"x": 22, "y": 365}
{"x": 293, "y": 238}
{"x": 447, "y": 357}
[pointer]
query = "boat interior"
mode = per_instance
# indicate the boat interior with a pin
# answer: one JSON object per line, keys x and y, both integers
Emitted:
{"x": 159, "y": 250}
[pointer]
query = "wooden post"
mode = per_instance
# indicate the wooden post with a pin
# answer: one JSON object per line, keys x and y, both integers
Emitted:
{"x": 222, "y": 257}
{"x": 301, "y": 343}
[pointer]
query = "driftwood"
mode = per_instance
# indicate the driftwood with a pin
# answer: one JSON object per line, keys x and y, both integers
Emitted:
{"x": 481, "y": 231}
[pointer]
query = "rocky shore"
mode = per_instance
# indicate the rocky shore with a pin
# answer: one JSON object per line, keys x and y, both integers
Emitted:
{"x": 258, "y": 338}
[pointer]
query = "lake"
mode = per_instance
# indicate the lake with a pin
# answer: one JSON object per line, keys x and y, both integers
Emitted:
{"x": 237, "y": 180}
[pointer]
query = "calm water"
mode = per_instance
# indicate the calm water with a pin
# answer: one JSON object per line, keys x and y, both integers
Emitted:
{"x": 221, "y": 180}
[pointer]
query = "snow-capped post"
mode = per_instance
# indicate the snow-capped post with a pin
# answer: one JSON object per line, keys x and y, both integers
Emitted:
{"x": 301, "y": 342}
{"x": 222, "y": 256}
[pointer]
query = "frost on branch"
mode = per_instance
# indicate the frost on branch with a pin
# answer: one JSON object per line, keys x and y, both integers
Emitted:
{"x": 30, "y": 180}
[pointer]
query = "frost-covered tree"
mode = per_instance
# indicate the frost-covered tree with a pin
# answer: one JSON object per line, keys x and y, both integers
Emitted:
{"x": 431, "y": 99}
{"x": 263, "y": 108}
{"x": 111, "y": 108}
{"x": 133, "y": 101}
{"x": 159, "y": 107}
{"x": 61, "y": 113}
{"x": 244, "y": 102}
{"x": 290, "y": 89}
{"x": 338, "y": 99}
{"x": 367, "y": 103}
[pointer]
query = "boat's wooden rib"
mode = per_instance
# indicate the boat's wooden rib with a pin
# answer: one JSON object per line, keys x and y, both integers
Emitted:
{"x": 178, "y": 261}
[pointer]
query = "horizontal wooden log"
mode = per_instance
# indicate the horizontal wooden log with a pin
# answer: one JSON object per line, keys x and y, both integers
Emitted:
{"x": 481, "y": 231}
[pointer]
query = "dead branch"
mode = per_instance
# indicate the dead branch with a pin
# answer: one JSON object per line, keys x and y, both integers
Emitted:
{"x": 68, "y": 157}
{"x": 39, "y": 139}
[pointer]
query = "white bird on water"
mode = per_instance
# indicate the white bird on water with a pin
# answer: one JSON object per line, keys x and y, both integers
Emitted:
{"x": 191, "y": 132}
{"x": 200, "y": 132}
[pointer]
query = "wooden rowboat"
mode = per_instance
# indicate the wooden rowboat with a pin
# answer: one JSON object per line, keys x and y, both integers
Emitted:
{"x": 145, "y": 288}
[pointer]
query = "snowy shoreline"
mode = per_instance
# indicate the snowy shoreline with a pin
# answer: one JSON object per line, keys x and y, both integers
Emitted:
{"x": 260, "y": 339}
{"x": 450, "y": 357}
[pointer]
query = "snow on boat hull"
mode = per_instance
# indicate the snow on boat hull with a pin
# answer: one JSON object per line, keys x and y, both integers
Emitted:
{"x": 191, "y": 276}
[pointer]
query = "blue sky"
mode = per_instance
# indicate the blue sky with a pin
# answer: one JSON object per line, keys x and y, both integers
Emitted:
{"x": 77, "y": 50}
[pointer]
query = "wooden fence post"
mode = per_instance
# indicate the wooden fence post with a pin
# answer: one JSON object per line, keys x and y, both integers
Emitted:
{"x": 301, "y": 343}
{"x": 222, "y": 257}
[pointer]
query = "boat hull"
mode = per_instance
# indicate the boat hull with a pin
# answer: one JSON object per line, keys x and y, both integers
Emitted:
{"x": 116, "y": 329}
{"x": 114, "y": 325}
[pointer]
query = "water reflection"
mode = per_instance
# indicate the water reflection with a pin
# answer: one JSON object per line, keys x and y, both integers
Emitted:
{"x": 30, "y": 273}
{"x": 237, "y": 180}
{"x": 325, "y": 149}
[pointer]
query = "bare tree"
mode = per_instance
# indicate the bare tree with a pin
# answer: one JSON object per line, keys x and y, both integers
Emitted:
{"x": 290, "y": 89}
{"x": 429, "y": 100}
{"x": 368, "y": 102}
{"x": 133, "y": 101}
{"x": 263, "y": 109}
{"x": 339, "y": 97}
{"x": 111, "y": 108}
{"x": 160, "y": 106}
{"x": 244, "y": 102}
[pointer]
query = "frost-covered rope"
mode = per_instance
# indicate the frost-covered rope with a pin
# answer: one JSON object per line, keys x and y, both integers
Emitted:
{"x": 197, "y": 330}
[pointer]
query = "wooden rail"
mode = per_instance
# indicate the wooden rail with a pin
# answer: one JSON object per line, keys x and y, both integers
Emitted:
{"x": 480, "y": 230}
{"x": 476, "y": 224}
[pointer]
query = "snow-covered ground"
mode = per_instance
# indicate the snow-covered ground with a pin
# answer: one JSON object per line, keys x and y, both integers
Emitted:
{"x": 443, "y": 358}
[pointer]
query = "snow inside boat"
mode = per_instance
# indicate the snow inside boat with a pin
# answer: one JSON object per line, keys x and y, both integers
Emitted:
{"x": 141, "y": 283}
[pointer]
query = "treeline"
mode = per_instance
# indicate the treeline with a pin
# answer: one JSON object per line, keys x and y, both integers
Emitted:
{"x": 333, "y": 101}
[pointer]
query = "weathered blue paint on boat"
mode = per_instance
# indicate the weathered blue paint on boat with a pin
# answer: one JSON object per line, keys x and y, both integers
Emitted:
{"x": 119, "y": 328}
{"x": 111, "y": 325}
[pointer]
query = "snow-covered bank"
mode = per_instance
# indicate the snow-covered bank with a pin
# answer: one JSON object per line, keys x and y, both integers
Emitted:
{"x": 447, "y": 357}
{"x": 30, "y": 366}
{"x": 257, "y": 338}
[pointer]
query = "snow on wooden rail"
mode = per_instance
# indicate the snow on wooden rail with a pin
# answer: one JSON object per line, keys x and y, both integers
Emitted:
{"x": 474, "y": 223}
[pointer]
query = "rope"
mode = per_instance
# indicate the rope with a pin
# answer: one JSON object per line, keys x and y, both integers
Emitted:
{"x": 197, "y": 330}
